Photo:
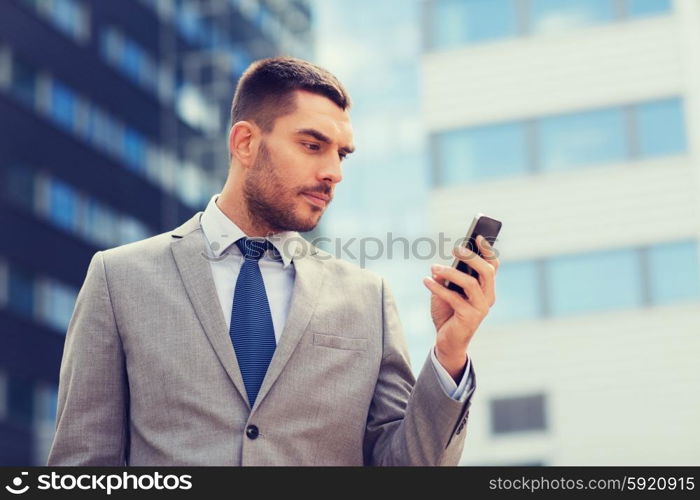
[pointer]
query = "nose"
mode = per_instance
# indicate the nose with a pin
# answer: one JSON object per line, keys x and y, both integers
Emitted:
{"x": 331, "y": 171}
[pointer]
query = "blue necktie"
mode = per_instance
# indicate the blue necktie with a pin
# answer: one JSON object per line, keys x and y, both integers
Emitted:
{"x": 252, "y": 332}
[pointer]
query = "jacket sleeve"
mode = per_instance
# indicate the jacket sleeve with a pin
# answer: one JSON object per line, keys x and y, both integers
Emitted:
{"x": 411, "y": 421}
{"x": 92, "y": 413}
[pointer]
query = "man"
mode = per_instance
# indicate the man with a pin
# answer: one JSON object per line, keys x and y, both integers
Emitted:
{"x": 207, "y": 346}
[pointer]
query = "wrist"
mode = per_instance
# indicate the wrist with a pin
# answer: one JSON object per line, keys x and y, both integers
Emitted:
{"x": 453, "y": 361}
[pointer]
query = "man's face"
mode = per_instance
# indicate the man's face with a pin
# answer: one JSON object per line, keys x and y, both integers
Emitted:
{"x": 298, "y": 165}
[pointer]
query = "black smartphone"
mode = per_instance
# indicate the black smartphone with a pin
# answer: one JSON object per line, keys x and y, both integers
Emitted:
{"x": 481, "y": 225}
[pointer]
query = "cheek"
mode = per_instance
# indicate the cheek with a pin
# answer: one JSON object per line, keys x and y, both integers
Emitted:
{"x": 296, "y": 170}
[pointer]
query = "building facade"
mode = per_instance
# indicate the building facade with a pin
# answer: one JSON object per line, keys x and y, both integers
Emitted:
{"x": 577, "y": 124}
{"x": 113, "y": 125}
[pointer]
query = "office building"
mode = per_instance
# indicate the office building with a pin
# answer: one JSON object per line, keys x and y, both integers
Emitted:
{"x": 113, "y": 125}
{"x": 576, "y": 123}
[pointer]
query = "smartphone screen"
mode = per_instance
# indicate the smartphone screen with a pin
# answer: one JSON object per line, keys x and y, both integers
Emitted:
{"x": 481, "y": 225}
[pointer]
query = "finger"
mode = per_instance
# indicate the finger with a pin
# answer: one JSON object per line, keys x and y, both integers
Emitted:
{"x": 487, "y": 252}
{"x": 455, "y": 300}
{"x": 486, "y": 280}
{"x": 486, "y": 271}
{"x": 490, "y": 256}
{"x": 471, "y": 286}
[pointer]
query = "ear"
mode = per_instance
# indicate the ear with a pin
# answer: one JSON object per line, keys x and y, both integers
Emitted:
{"x": 243, "y": 142}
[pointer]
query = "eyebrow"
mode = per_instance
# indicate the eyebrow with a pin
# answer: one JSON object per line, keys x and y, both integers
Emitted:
{"x": 323, "y": 138}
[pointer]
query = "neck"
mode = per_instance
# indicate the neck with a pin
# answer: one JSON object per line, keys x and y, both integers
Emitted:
{"x": 232, "y": 203}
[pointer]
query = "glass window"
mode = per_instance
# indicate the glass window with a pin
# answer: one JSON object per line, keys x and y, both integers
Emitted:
{"x": 46, "y": 402}
{"x": 68, "y": 16}
{"x": 65, "y": 15}
{"x": 596, "y": 281}
{"x": 647, "y": 7}
{"x": 58, "y": 305}
{"x": 19, "y": 186}
{"x": 661, "y": 128}
{"x": 52, "y": 404}
{"x": 484, "y": 152}
{"x": 116, "y": 137}
{"x": 111, "y": 45}
{"x": 553, "y": 16}
{"x": 101, "y": 129}
{"x": 21, "y": 291}
{"x": 20, "y": 400}
{"x": 134, "y": 149}
{"x": 133, "y": 59}
{"x": 189, "y": 22}
{"x": 100, "y": 224}
{"x": 63, "y": 105}
{"x": 3, "y": 396}
{"x": 674, "y": 273}
{"x": 588, "y": 138}
{"x": 149, "y": 75}
{"x": 519, "y": 294}
{"x": 456, "y": 22}
{"x": 190, "y": 184}
{"x": 517, "y": 414}
{"x": 131, "y": 230}
{"x": 23, "y": 82}
{"x": 4, "y": 283}
{"x": 62, "y": 204}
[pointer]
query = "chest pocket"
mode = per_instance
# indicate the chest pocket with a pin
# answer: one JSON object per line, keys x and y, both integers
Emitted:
{"x": 336, "y": 342}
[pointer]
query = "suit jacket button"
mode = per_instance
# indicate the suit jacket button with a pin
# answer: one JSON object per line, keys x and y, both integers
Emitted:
{"x": 252, "y": 431}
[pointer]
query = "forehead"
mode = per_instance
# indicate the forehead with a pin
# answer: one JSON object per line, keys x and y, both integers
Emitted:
{"x": 320, "y": 113}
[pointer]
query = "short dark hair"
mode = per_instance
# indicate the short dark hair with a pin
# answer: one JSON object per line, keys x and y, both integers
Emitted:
{"x": 265, "y": 91}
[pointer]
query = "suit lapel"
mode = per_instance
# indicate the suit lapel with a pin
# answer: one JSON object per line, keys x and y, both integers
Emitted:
{"x": 307, "y": 286}
{"x": 189, "y": 251}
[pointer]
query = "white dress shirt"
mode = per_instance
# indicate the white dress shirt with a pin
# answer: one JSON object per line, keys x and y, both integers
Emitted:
{"x": 278, "y": 274}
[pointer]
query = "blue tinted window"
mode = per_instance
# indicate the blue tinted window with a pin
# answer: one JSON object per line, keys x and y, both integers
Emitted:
{"x": 100, "y": 224}
{"x": 550, "y": 16}
{"x": 661, "y": 128}
{"x": 63, "y": 204}
{"x": 133, "y": 59}
{"x": 20, "y": 401}
{"x": 63, "y": 104}
{"x": 484, "y": 152}
{"x": 518, "y": 292}
{"x": 59, "y": 302}
{"x": 189, "y": 22}
{"x": 457, "y": 22}
{"x": 52, "y": 404}
{"x": 579, "y": 139}
{"x": 518, "y": 414}
{"x": 99, "y": 131}
{"x": 65, "y": 15}
{"x": 19, "y": 186}
{"x": 594, "y": 282}
{"x": 131, "y": 229}
{"x": 134, "y": 149}
{"x": 674, "y": 272}
{"x": 23, "y": 82}
{"x": 647, "y": 7}
{"x": 21, "y": 291}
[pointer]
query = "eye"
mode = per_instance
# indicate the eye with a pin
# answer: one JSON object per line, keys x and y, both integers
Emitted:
{"x": 342, "y": 156}
{"x": 311, "y": 146}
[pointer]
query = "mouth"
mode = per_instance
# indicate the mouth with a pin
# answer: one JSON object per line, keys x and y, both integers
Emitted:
{"x": 318, "y": 199}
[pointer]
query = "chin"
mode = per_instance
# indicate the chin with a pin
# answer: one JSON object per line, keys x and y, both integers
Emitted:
{"x": 309, "y": 223}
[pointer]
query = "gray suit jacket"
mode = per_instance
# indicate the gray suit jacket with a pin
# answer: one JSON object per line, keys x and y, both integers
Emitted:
{"x": 149, "y": 375}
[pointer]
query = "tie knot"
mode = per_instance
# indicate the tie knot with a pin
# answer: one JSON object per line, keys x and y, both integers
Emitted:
{"x": 253, "y": 248}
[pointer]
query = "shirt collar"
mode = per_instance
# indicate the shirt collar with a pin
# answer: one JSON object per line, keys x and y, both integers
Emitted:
{"x": 221, "y": 232}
